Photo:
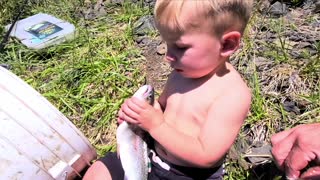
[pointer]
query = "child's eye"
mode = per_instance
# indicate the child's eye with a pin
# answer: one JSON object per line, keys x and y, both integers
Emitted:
{"x": 181, "y": 47}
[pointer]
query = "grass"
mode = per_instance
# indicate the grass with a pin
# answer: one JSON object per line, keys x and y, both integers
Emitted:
{"x": 88, "y": 78}
{"x": 287, "y": 78}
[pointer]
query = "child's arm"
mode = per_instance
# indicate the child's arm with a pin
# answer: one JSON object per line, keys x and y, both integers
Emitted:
{"x": 218, "y": 132}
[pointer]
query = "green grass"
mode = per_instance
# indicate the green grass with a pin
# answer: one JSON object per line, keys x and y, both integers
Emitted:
{"x": 88, "y": 78}
{"x": 268, "y": 86}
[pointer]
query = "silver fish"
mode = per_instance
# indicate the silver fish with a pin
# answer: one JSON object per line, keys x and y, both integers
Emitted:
{"x": 131, "y": 142}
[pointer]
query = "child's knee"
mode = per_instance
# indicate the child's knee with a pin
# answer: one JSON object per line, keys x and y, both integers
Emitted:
{"x": 97, "y": 171}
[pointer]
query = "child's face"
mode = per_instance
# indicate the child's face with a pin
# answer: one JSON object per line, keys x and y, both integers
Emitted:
{"x": 192, "y": 54}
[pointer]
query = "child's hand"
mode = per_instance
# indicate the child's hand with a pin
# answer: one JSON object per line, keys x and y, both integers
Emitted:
{"x": 119, "y": 120}
{"x": 138, "y": 112}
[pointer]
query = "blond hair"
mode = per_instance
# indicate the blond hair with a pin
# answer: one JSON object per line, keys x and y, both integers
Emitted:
{"x": 221, "y": 15}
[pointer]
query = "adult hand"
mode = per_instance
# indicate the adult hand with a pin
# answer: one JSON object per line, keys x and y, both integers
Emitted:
{"x": 295, "y": 148}
{"x": 136, "y": 111}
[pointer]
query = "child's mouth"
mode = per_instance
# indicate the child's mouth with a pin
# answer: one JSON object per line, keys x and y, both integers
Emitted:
{"x": 179, "y": 70}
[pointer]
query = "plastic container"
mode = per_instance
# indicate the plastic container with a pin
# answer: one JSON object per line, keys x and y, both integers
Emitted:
{"x": 42, "y": 30}
{"x": 36, "y": 140}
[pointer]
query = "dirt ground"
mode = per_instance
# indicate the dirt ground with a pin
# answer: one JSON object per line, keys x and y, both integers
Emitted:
{"x": 156, "y": 68}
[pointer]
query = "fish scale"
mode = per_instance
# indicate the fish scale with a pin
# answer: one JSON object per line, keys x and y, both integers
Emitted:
{"x": 132, "y": 146}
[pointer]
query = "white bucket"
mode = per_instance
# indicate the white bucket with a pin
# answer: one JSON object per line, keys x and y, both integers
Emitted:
{"x": 36, "y": 140}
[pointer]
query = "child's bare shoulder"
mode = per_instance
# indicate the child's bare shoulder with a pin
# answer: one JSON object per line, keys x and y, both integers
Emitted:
{"x": 230, "y": 85}
{"x": 234, "y": 96}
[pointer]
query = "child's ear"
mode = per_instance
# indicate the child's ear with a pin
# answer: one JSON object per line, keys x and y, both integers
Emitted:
{"x": 229, "y": 43}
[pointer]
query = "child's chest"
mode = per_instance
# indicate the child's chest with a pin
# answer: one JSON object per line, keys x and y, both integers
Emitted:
{"x": 188, "y": 111}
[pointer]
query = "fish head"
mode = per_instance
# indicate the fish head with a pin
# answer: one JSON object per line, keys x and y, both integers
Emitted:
{"x": 145, "y": 93}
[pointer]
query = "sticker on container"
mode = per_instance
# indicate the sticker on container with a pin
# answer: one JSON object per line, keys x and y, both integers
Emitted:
{"x": 43, "y": 29}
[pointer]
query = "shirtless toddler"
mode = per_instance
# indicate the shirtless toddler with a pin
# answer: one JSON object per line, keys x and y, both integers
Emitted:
{"x": 205, "y": 101}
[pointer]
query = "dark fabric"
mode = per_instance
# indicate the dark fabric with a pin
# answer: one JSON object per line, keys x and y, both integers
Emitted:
{"x": 177, "y": 172}
{"x": 114, "y": 165}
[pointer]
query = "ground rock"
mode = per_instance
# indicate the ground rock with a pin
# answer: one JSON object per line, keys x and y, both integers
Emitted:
{"x": 144, "y": 25}
{"x": 277, "y": 9}
{"x": 93, "y": 10}
{"x": 148, "y": 3}
{"x": 6, "y": 66}
{"x": 263, "y": 63}
{"x": 259, "y": 155}
{"x": 317, "y": 6}
{"x": 162, "y": 49}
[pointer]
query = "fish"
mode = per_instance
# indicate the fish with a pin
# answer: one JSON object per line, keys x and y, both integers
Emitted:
{"x": 132, "y": 141}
